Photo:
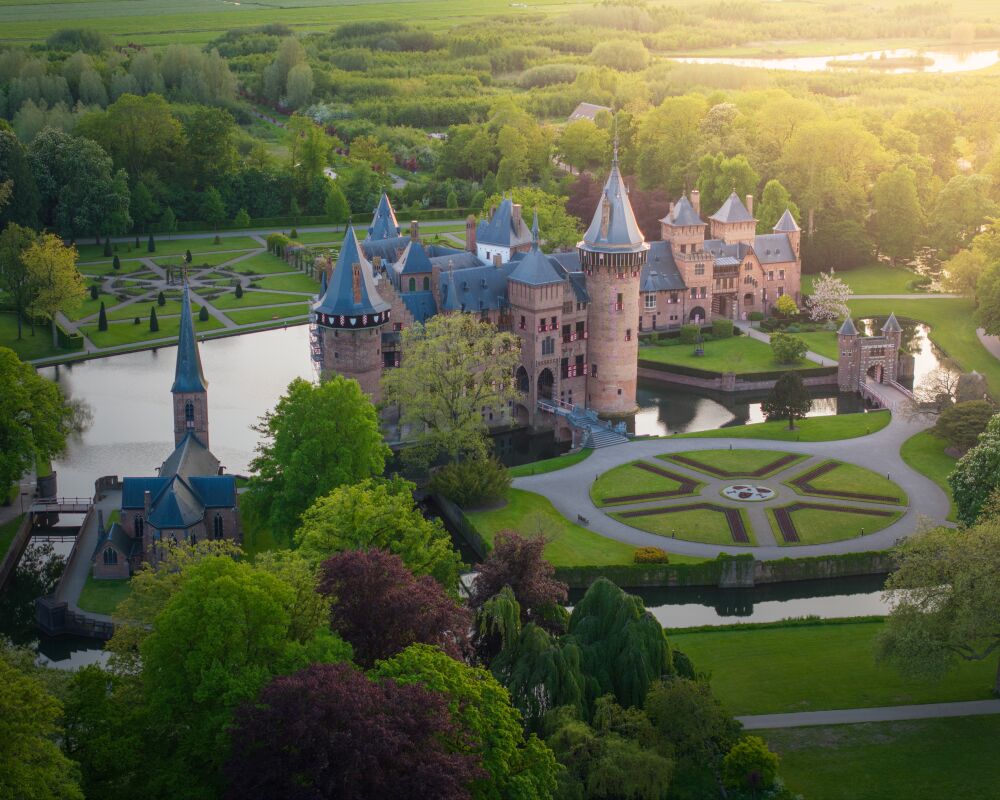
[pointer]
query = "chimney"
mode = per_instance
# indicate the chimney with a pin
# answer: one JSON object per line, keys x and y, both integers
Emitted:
{"x": 670, "y": 208}
{"x": 415, "y": 230}
{"x": 470, "y": 233}
{"x": 496, "y": 260}
{"x": 750, "y": 204}
{"x": 696, "y": 201}
{"x": 517, "y": 216}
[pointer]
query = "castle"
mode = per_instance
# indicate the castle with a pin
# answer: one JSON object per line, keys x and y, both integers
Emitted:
{"x": 578, "y": 314}
{"x": 862, "y": 357}
{"x": 190, "y": 499}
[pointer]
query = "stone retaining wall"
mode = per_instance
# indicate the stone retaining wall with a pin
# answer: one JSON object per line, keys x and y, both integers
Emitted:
{"x": 729, "y": 381}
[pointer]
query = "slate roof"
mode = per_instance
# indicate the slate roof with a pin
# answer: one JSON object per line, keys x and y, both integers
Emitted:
{"x": 420, "y": 304}
{"x": 587, "y": 111}
{"x": 848, "y": 329}
{"x": 787, "y": 223}
{"x": 414, "y": 259}
{"x": 682, "y": 214}
{"x": 190, "y": 457}
{"x": 660, "y": 273}
{"x": 384, "y": 224}
{"x": 460, "y": 260}
{"x": 621, "y": 234}
{"x": 475, "y": 288}
{"x": 339, "y": 297}
{"x": 535, "y": 268}
{"x": 892, "y": 324}
{"x": 188, "y": 374}
{"x": 386, "y": 249}
{"x": 773, "y": 248}
{"x": 121, "y": 541}
{"x": 502, "y": 229}
{"x": 322, "y": 283}
{"x": 733, "y": 210}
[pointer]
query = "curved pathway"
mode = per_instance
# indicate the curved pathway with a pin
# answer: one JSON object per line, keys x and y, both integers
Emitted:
{"x": 569, "y": 490}
{"x": 847, "y": 716}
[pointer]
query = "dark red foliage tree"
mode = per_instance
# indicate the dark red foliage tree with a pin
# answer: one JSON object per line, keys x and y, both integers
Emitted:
{"x": 329, "y": 732}
{"x": 381, "y": 608}
{"x": 518, "y": 563}
{"x": 649, "y": 207}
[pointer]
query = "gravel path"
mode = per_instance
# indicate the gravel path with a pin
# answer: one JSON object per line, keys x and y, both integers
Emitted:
{"x": 847, "y": 716}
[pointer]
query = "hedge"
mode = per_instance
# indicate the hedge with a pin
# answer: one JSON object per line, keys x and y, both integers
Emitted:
{"x": 69, "y": 341}
{"x": 423, "y": 215}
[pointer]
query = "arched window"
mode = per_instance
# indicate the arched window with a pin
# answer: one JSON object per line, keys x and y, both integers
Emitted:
{"x": 427, "y": 283}
{"x": 140, "y": 526}
{"x": 193, "y": 538}
{"x": 110, "y": 556}
{"x": 189, "y": 412}
{"x": 217, "y": 526}
{"x": 413, "y": 284}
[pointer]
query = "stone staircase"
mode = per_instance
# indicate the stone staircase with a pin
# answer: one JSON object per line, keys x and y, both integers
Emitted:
{"x": 596, "y": 431}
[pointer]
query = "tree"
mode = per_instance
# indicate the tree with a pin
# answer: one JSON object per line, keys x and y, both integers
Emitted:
{"x": 945, "y": 601}
{"x": 116, "y": 262}
{"x": 107, "y": 247}
{"x": 290, "y": 53}
{"x": 144, "y": 207}
{"x": 774, "y": 201}
{"x": 490, "y": 726}
{"x": 937, "y": 390}
{"x": 212, "y": 209}
{"x": 150, "y": 244}
{"x": 668, "y": 142}
{"x": 23, "y": 204}
{"x": 58, "y": 285}
{"x": 828, "y": 300}
{"x": 335, "y": 205}
{"x": 203, "y": 314}
{"x": 16, "y": 279}
{"x": 718, "y": 177}
{"x": 518, "y": 563}
{"x": 210, "y": 154}
{"x": 380, "y": 607}
{"x": 789, "y": 399}
{"x": 452, "y": 367}
{"x": 787, "y": 349}
{"x": 242, "y": 219}
{"x": 963, "y": 270}
{"x": 161, "y": 299}
{"x": 317, "y": 438}
{"x": 582, "y": 145}
{"x": 102, "y": 318}
{"x": 960, "y": 424}
{"x": 378, "y": 513}
{"x": 154, "y": 324}
{"x": 239, "y": 290}
{"x": 328, "y": 731}
{"x": 168, "y": 222}
{"x": 897, "y": 218}
{"x": 838, "y": 244}
{"x": 786, "y": 306}
{"x": 977, "y": 473}
{"x": 750, "y": 765}
{"x": 557, "y": 229}
{"x": 961, "y": 208}
{"x": 33, "y": 764}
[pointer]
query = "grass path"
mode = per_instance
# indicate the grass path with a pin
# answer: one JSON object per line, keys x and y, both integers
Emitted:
{"x": 925, "y": 453}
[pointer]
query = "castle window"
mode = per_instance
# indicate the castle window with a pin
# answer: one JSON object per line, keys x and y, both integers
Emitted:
{"x": 694, "y": 293}
{"x": 748, "y": 266}
{"x": 522, "y": 325}
{"x": 650, "y": 301}
{"x": 703, "y": 291}
{"x": 781, "y": 274}
{"x": 628, "y": 334}
{"x": 568, "y": 307}
{"x": 781, "y": 291}
{"x": 548, "y": 346}
{"x": 683, "y": 248}
{"x": 217, "y": 526}
{"x": 620, "y": 302}
{"x": 193, "y": 538}
{"x": 699, "y": 269}
{"x": 770, "y": 275}
{"x": 593, "y": 370}
{"x": 110, "y": 556}
{"x": 673, "y": 297}
{"x": 427, "y": 283}
{"x": 139, "y": 525}
{"x": 189, "y": 414}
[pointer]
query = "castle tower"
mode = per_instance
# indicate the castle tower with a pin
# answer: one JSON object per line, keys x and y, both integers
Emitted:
{"x": 384, "y": 224}
{"x": 893, "y": 332}
{"x": 849, "y": 363}
{"x": 190, "y": 389}
{"x": 734, "y": 222}
{"x": 790, "y": 227}
{"x": 612, "y": 255}
{"x": 349, "y": 316}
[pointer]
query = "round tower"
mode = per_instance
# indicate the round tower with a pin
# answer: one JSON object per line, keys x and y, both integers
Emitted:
{"x": 849, "y": 362}
{"x": 349, "y": 318}
{"x": 612, "y": 255}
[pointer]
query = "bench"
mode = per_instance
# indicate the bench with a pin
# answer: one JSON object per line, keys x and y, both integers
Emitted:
{"x": 583, "y": 519}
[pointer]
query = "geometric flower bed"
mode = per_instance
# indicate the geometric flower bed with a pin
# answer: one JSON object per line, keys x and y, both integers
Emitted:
{"x": 697, "y": 522}
{"x": 816, "y": 523}
{"x": 640, "y": 482}
{"x": 849, "y": 482}
{"x": 735, "y": 463}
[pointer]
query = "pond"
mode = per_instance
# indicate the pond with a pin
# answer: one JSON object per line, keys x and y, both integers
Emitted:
{"x": 938, "y": 61}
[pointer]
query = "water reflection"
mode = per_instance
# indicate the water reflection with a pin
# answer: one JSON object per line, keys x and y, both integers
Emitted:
{"x": 916, "y": 341}
{"x": 944, "y": 61}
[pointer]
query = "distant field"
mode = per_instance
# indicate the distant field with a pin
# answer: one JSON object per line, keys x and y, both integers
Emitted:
{"x": 876, "y": 279}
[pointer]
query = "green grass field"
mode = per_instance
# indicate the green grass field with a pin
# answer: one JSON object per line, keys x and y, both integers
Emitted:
{"x": 28, "y": 347}
{"x": 101, "y": 268}
{"x": 289, "y": 283}
{"x": 813, "y": 429}
{"x": 742, "y": 462}
{"x": 318, "y": 237}
{"x": 142, "y": 309}
{"x": 252, "y": 299}
{"x": 103, "y": 597}
{"x": 925, "y": 453}
{"x": 199, "y": 261}
{"x": 122, "y": 333}
{"x": 263, "y": 314}
{"x": 698, "y": 525}
{"x": 7, "y": 532}
{"x": 88, "y": 306}
{"x": 875, "y": 279}
{"x": 769, "y": 669}
{"x": 817, "y": 526}
{"x": 170, "y": 247}
{"x": 927, "y": 759}
{"x": 261, "y": 264}
{"x": 628, "y": 479}
{"x": 549, "y": 464}
{"x": 953, "y": 329}
{"x": 737, "y": 354}
{"x": 822, "y": 342}
{"x": 851, "y": 478}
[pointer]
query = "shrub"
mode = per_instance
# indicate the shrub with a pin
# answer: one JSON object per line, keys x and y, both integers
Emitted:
{"x": 187, "y": 256}
{"x": 651, "y": 555}
{"x": 239, "y": 290}
{"x": 294, "y": 234}
{"x": 960, "y": 425}
{"x": 786, "y": 306}
{"x": 722, "y": 329}
{"x": 161, "y": 299}
{"x": 242, "y": 219}
{"x": 154, "y": 324}
{"x": 94, "y": 291}
{"x": 792, "y": 328}
{"x": 203, "y": 314}
{"x": 750, "y": 765}
{"x": 755, "y": 316}
{"x": 116, "y": 262}
{"x": 787, "y": 349}
{"x": 136, "y": 321}
{"x": 102, "y": 319}
{"x": 107, "y": 247}
{"x": 689, "y": 334}
{"x": 150, "y": 244}
{"x": 217, "y": 239}
{"x": 472, "y": 483}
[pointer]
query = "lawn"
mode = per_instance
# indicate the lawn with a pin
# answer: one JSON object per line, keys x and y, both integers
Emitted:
{"x": 818, "y": 526}
{"x": 925, "y": 453}
{"x": 768, "y": 669}
{"x": 822, "y": 342}
{"x": 625, "y": 480}
{"x": 7, "y": 532}
{"x": 173, "y": 247}
{"x": 103, "y": 597}
{"x": 122, "y": 333}
{"x": 199, "y": 261}
{"x": 261, "y": 264}
{"x": 567, "y": 544}
{"x": 549, "y": 464}
{"x": 141, "y": 309}
{"x": 320, "y": 237}
{"x": 953, "y": 329}
{"x": 696, "y": 525}
{"x": 876, "y": 279}
{"x": 298, "y": 282}
{"x": 737, "y": 354}
{"x": 28, "y": 347}
{"x": 251, "y": 299}
{"x": 812, "y": 429}
{"x": 742, "y": 463}
{"x": 263, "y": 314}
{"x": 101, "y": 268}
{"x": 918, "y": 759}
{"x": 88, "y": 306}
{"x": 845, "y": 479}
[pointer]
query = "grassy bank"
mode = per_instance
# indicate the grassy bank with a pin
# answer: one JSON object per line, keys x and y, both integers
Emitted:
{"x": 550, "y": 464}
{"x": 813, "y": 429}
{"x": 103, "y": 597}
{"x": 875, "y": 279}
{"x": 7, "y": 533}
{"x": 737, "y": 354}
{"x": 925, "y": 453}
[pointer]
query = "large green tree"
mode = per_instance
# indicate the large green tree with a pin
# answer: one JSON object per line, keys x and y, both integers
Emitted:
{"x": 788, "y": 399}
{"x": 317, "y": 438}
{"x": 977, "y": 473}
{"x": 774, "y": 200}
{"x": 719, "y": 176}
{"x": 557, "y": 229}
{"x": 15, "y": 278}
{"x": 23, "y": 204}
{"x": 945, "y": 601}
{"x": 57, "y": 283}
{"x": 668, "y": 144}
{"x": 897, "y": 218}
{"x": 582, "y": 145}
{"x": 960, "y": 210}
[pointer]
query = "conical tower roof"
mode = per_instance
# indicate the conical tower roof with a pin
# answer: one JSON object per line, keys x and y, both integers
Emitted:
{"x": 682, "y": 214}
{"x": 188, "y": 375}
{"x": 535, "y": 268}
{"x": 892, "y": 325}
{"x": 733, "y": 210}
{"x": 787, "y": 223}
{"x": 351, "y": 292}
{"x": 614, "y": 229}
{"x": 384, "y": 224}
{"x": 848, "y": 329}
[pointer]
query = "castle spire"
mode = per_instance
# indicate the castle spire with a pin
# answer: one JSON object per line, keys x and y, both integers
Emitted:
{"x": 534, "y": 231}
{"x": 188, "y": 375}
{"x": 614, "y": 228}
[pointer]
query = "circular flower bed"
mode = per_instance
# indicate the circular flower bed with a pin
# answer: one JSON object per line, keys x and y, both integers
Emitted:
{"x": 748, "y": 493}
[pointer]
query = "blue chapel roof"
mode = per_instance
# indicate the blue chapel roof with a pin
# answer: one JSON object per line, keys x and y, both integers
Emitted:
{"x": 384, "y": 224}
{"x": 414, "y": 259}
{"x": 188, "y": 375}
{"x": 340, "y": 297}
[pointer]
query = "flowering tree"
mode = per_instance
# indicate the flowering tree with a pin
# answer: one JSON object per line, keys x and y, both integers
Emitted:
{"x": 829, "y": 297}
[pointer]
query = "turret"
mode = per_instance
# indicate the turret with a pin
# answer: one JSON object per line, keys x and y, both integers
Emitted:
{"x": 893, "y": 332}
{"x": 384, "y": 224}
{"x": 350, "y": 316}
{"x": 190, "y": 389}
{"x": 733, "y": 222}
{"x": 790, "y": 227}
{"x": 848, "y": 365}
{"x": 612, "y": 255}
